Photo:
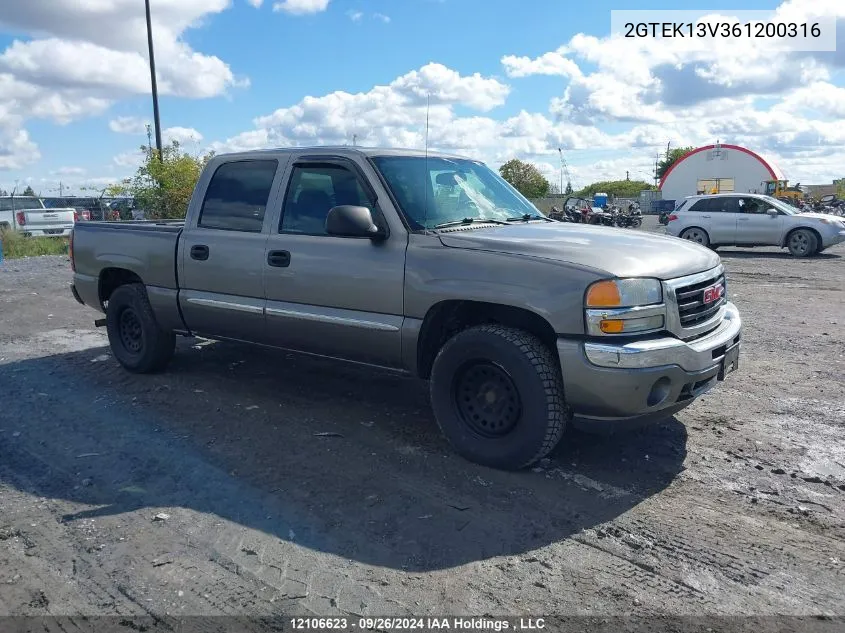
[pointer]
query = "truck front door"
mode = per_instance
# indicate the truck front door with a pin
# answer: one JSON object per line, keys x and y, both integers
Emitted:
{"x": 222, "y": 251}
{"x": 337, "y": 296}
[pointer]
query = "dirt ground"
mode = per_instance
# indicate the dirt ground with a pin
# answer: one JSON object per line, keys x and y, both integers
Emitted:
{"x": 251, "y": 482}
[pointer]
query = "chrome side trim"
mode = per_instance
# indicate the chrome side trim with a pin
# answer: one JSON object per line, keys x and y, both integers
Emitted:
{"x": 326, "y": 318}
{"x": 693, "y": 356}
{"x": 673, "y": 319}
{"x": 226, "y": 305}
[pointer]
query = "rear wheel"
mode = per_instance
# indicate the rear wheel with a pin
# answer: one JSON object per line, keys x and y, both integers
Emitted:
{"x": 136, "y": 339}
{"x": 497, "y": 394}
{"x": 697, "y": 235}
{"x": 802, "y": 243}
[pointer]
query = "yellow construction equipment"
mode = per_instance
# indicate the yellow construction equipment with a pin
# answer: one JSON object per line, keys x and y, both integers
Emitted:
{"x": 781, "y": 189}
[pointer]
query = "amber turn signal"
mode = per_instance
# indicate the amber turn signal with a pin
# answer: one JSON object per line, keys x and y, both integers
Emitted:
{"x": 604, "y": 294}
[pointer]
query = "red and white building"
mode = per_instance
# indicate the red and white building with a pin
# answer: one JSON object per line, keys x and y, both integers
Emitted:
{"x": 718, "y": 168}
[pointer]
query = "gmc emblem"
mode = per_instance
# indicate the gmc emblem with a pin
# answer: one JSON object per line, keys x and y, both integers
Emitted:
{"x": 713, "y": 293}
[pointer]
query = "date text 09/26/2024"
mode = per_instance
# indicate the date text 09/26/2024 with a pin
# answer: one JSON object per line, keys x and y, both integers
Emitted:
{"x": 416, "y": 624}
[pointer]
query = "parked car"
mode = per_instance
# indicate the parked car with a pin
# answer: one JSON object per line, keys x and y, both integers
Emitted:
{"x": 746, "y": 219}
{"x": 29, "y": 216}
{"x": 520, "y": 324}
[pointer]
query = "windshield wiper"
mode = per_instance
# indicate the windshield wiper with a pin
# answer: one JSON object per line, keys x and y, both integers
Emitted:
{"x": 526, "y": 217}
{"x": 467, "y": 221}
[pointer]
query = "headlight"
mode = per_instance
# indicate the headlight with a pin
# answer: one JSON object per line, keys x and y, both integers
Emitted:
{"x": 624, "y": 293}
{"x": 625, "y": 306}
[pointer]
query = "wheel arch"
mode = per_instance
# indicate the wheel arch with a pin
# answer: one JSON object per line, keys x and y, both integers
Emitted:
{"x": 112, "y": 278}
{"x": 799, "y": 228}
{"x": 446, "y": 318}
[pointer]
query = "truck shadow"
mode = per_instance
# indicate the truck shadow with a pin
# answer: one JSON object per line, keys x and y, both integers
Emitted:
{"x": 342, "y": 460}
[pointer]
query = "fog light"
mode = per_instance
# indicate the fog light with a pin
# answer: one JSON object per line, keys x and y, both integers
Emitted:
{"x": 659, "y": 392}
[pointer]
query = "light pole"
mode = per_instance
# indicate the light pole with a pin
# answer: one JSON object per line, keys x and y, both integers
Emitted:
{"x": 153, "y": 79}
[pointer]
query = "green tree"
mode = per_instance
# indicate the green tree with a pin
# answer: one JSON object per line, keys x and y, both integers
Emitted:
{"x": 162, "y": 187}
{"x": 616, "y": 188}
{"x": 525, "y": 178}
{"x": 568, "y": 191}
{"x": 28, "y": 191}
{"x": 3, "y": 192}
{"x": 667, "y": 161}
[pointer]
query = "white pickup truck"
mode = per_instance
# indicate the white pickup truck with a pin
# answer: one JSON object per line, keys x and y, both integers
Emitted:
{"x": 29, "y": 216}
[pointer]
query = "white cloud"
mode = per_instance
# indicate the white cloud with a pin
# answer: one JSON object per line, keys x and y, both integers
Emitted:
{"x": 131, "y": 160}
{"x": 70, "y": 171}
{"x": 16, "y": 148}
{"x": 83, "y": 56}
{"x": 256, "y": 3}
{"x": 382, "y": 17}
{"x": 182, "y": 135}
{"x": 128, "y": 125}
{"x": 301, "y": 7}
{"x": 355, "y": 16}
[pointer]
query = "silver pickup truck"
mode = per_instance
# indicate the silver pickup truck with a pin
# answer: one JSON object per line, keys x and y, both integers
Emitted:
{"x": 427, "y": 264}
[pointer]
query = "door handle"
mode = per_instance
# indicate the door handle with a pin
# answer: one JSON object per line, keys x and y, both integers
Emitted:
{"x": 743, "y": 219}
{"x": 706, "y": 217}
{"x": 278, "y": 259}
{"x": 199, "y": 251}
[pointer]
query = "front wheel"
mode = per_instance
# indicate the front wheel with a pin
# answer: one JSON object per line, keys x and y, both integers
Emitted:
{"x": 802, "y": 243}
{"x": 497, "y": 394}
{"x": 136, "y": 339}
{"x": 699, "y": 236}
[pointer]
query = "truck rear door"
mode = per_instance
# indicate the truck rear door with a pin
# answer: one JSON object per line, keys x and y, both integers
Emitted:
{"x": 221, "y": 250}
{"x": 339, "y": 296}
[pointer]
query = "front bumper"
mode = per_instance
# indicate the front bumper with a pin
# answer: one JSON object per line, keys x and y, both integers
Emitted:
{"x": 629, "y": 384}
{"x": 832, "y": 238}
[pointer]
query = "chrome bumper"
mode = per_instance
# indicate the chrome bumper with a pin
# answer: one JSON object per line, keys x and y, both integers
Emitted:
{"x": 693, "y": 356}
{"x": 614, "y": 386}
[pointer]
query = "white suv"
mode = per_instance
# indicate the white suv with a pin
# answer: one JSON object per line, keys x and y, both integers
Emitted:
{"x": 748, "y": 219}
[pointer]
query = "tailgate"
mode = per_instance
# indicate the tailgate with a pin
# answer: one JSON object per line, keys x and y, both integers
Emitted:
{"x": 47, "y": 219}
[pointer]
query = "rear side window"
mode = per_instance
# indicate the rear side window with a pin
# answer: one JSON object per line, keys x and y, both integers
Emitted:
{"x": 237, "y": 196}
{"x": 700, "y": 206}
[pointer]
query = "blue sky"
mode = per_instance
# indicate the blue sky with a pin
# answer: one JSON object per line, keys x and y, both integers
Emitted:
{"x": 511, "y": 82}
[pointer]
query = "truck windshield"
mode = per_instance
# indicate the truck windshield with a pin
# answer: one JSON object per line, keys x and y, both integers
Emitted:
{"x": 436, "y": 191}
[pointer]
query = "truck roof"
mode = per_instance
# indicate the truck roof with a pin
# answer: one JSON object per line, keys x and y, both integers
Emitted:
{"x": 347, "y": 150}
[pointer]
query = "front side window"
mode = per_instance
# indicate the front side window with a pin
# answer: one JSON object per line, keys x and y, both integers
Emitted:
{"x": 237, "y": 196}
{"x": 752, "y": 205}
{"x": 313, "y": 191}
{"x": 434, "y": 191}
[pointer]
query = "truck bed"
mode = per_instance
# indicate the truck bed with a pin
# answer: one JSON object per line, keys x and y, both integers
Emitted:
{"x": 146, "y": 248}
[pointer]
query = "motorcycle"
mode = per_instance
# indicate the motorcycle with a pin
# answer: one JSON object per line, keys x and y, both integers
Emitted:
{"x": 664, "y": 217}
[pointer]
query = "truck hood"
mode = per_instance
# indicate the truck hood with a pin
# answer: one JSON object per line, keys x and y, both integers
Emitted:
{"x": 618, "y": 252}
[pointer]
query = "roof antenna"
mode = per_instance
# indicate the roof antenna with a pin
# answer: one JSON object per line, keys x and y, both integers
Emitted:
{"x": 425, "y": 172}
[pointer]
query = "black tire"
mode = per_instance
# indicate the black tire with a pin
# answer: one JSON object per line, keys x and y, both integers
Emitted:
{"x": 697, "y": 235}
{"x": 136, "y": 339}
{"x": 802, "y": 243}
{"x": 636, "y": 223}
{"x": 517, "y": 374}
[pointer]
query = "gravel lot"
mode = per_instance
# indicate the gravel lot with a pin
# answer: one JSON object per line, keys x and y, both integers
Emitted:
{"x": 291, "y": 485}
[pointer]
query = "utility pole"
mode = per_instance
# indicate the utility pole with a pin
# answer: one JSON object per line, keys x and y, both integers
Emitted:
{"x": 153, "y": 79}
{"x": 560, "y": 153}
{"x": 354, "y": 140}
{"x": 627, "y": 175}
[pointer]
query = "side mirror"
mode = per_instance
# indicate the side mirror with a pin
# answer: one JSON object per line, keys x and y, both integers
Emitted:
{"x": 351, "y": 221}
{"x": 772, "y": 212}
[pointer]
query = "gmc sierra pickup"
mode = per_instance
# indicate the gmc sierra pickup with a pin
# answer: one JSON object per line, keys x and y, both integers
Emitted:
{"x": 427, "y": 264}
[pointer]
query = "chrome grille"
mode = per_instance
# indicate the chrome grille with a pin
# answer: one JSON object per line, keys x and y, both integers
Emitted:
{"x": 692, "y": 310}
{"x": 687, "y": 314}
